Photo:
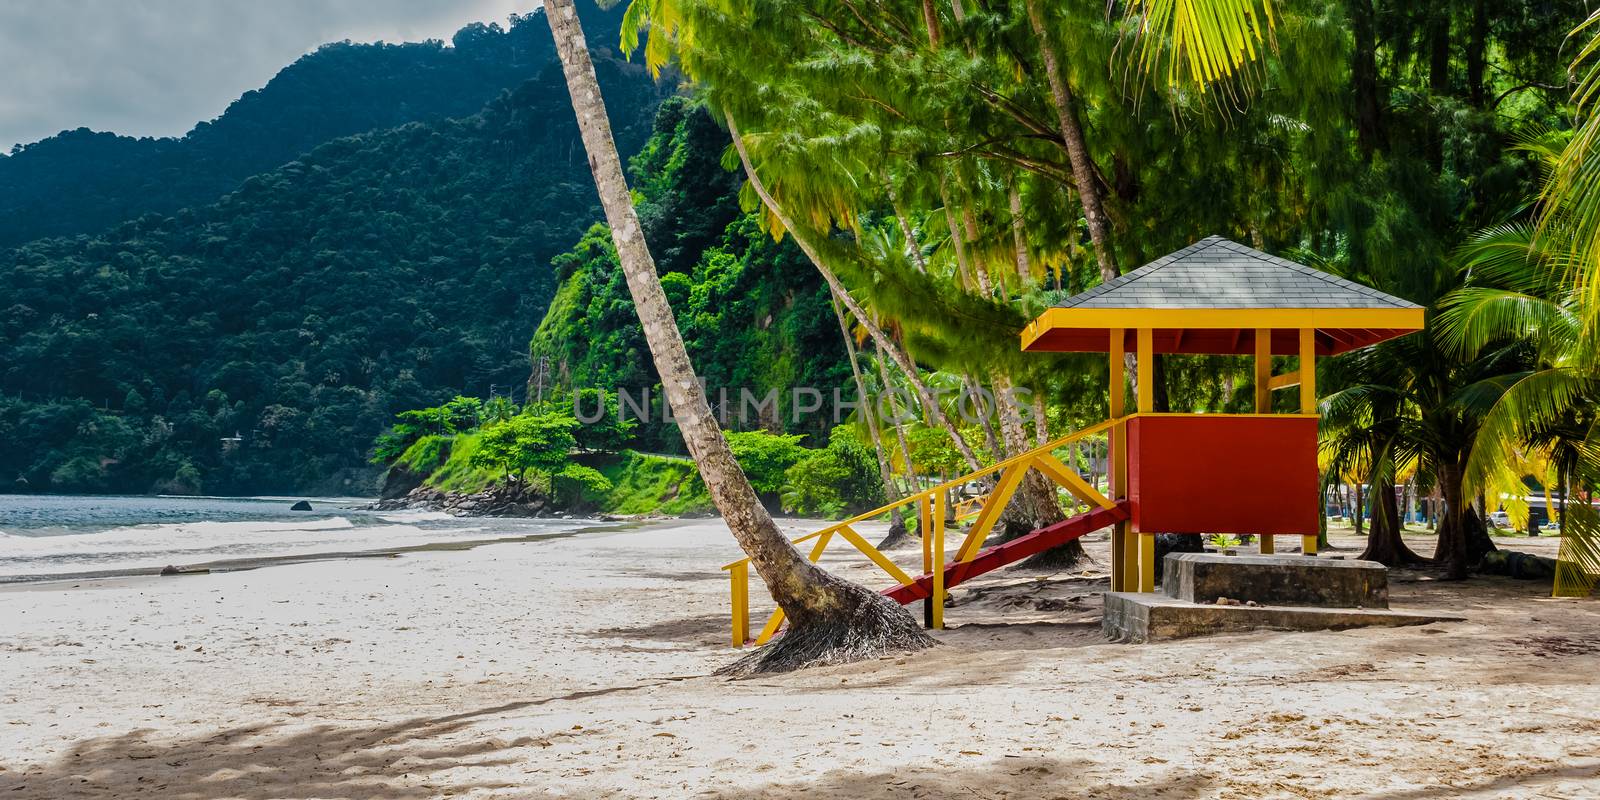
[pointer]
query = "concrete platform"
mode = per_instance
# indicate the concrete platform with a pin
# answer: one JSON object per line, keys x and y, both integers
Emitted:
{"x": 1287, "y": 580}
{"x": 1138, "y": 617}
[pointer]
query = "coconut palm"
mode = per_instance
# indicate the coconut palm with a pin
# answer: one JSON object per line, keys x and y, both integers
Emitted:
{"x": 1413, "y": 399}
{"x": 1544, "y": 425}
{"x": 831, "y": 620}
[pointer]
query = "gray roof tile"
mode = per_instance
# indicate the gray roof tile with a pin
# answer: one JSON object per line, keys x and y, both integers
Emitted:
{"x": 1217, "y": 273}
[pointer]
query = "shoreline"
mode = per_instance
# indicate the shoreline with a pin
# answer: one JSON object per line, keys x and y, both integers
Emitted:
{"x": 222, "y": 565}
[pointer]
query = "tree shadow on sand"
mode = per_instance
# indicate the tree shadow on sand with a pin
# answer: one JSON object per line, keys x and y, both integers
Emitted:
{"x": 1018, "y": 778}
{"x": 421, "y": 757}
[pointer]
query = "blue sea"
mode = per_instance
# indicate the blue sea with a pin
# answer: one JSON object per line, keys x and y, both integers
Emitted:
{"x": 43, "y": 536}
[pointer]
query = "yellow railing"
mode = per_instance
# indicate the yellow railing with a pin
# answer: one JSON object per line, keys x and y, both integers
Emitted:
{"x": 969, "y": 508}
{"x": 931, "y": 509}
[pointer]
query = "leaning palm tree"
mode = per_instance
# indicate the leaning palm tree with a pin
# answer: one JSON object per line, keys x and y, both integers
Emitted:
{"x": 830, "y": 620}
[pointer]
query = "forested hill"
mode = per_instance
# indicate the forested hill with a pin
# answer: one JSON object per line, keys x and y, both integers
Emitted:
{"x": 258, "y": 343}
{"x": 81, "y": 181}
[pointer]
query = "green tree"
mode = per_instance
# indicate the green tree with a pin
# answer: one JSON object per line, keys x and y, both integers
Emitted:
{"x": 537, "y": 443}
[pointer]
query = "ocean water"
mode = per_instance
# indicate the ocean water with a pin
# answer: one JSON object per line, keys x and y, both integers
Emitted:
{"x": 60, "y": 535}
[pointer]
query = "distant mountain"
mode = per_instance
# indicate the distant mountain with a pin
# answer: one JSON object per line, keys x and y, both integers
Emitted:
{"x": 81, "y": 181}
{"x": 257, "y": 343}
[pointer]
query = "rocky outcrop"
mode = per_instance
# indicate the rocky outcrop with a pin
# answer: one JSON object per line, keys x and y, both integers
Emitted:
{"x": 496, "y": 501}
{"x": 399, "y": 481}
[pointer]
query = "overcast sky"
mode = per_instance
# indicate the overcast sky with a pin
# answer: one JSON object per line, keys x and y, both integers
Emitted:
{"x": 156, "y": 67}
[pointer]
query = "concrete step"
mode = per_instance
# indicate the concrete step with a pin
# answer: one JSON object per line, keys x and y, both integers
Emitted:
{"x": 1148, "y": 617}
{"x": 1287, "y": 580}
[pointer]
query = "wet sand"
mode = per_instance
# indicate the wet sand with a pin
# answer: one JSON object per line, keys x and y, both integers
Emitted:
{"x": 579, "y": 667}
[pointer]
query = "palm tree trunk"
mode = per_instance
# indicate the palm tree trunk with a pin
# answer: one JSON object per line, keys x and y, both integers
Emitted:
{"x": 897, "y": 524}
{"x": 831, "y": 620}
{"x": 1019, "y": 238}
{"x": 899, "y": 429}
{"x": 1384, "y": 542}
{"x": 1035, "y": 504}
{"x": 925, "y": 397}
{"x": 1451, "y": 551}
{"x": 906, "y": 230}
{"x": 1083, "y": 170}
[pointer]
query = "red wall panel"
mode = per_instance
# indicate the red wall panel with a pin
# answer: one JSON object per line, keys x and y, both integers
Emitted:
{"x": 1212, "y": 473}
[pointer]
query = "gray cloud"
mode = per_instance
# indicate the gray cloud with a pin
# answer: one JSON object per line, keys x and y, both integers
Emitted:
{"x": 156, "y": 67}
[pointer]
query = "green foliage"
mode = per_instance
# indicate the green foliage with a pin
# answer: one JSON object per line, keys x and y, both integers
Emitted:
{"x": 263, "y": 340}
{"x": 650, "y": 484}
{"x": 539, "y": 443}
{"x": 459, "y": 472}
{"x": 766, "y": 457}
{"x": 839, "y": 479}
{"x": 610, "y": 431}
{"x": 575, "y": 482}
{"x": 426, "y": 455}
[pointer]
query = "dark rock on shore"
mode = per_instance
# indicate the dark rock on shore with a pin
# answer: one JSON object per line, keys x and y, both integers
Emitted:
{"x": 497, "y": 501}
{"x": 300, "y": 506}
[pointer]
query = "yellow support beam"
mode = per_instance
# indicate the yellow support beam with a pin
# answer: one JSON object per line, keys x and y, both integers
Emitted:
{"x": 875, "y": 555}
{"x": 1308, "y": 371}
{"x": 1308, "y": 405}
{"x": 1147, "y": 562}
{"x": 1114, "y": 454}
{"x": 1263, "y": 365}
{"x": 924, "y": 531}
{"x": 1144, "y": 546}
{"x": 1398, "y": 319}
{"x": 1284, "y": 381}
{"x": 1003, "y": 489}
{"x": 739, "y": 578}
{"x": 936, "y": 595}
{"x": 1069, "y": 480}
{"x": 1147, "y": 370}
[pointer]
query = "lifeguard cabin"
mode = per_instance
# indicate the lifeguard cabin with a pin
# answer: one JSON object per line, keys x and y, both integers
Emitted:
{"x": 1181, "y": 473}
{"x": 1217, "y": 473}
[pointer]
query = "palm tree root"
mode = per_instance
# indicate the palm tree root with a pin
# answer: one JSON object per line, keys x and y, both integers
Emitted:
{"x": 858, "y": 625}
{"x": 899, "y": 535}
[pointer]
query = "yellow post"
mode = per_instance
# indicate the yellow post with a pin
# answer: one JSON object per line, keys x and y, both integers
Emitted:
{"x": 1147, "y": 562}
{"x": 1147, "y": 402}
{"x": 739, "y": 577}
{"x": 1147, "y": 371}
{"x": 1308, "y": 371}
{"x": 1308, "y": 405}
{"x": 936, "y": 597}
{"x": 924, "y": 526}
{"x": 1263, "y": 365}
{"x": 1115, "y": 443}
{"x": 1263, "y": 370}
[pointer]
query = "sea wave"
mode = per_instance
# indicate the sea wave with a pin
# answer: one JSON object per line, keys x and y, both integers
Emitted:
{"x": 66, "y": 546}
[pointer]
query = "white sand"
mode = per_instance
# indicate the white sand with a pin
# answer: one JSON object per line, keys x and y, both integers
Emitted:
{"x": 578, "y": 668}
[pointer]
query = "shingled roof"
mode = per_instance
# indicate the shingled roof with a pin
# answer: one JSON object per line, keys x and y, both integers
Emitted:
{"x": 1213, "y": 296}
{"x": 1217, "y": 273}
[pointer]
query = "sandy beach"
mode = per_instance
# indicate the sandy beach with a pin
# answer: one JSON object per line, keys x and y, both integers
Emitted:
{"x": 580, "y": 667}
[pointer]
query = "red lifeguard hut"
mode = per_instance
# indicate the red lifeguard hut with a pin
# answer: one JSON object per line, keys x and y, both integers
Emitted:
{"x": 1217, "y": 473}
{"x": 1181, "y": 473}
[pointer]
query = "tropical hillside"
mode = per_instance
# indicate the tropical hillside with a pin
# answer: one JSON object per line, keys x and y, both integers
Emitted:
{"x": 257, "y": 340}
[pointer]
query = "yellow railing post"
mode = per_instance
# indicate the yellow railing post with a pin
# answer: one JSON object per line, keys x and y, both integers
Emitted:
{"x": 1308, "y": 405}
{"x": 1114, "y": 455}
{"x": 936, "y": 597}
{"x": 924, "y": 531}
{"x": 1147, "y": 376}
{"x": 739, "y": 577}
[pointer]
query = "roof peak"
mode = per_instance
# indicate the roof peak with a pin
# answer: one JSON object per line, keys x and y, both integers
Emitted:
{"x": 1217, "y": 272}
